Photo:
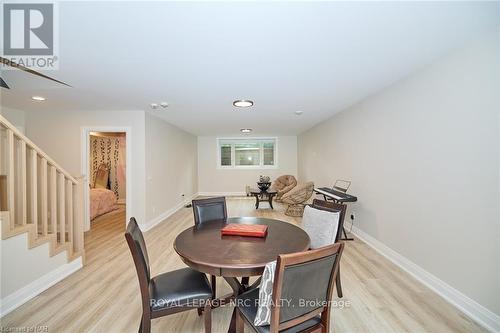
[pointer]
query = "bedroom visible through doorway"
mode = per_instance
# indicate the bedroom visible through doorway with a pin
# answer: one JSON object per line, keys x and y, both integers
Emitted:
{"x": 107, "y": 177}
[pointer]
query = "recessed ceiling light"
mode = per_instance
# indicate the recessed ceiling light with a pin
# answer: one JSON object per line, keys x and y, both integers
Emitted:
{"x": 298, "y": 113}
{"x": 38, "y": 98}
{"x": 246, "y": 130}
{"x": 243, "y": 103}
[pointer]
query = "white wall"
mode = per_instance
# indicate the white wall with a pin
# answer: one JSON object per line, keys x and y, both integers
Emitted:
{"x": 15, "y": 117}
{"x": 212, "y": 180}
{"x": 171, "y": 165}
{"x": 59, "y": 134}
{"x": 20, "y": 265}
{"x": 423, "y": 157}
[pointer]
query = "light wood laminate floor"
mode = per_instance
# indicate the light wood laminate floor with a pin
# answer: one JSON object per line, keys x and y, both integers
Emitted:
{"x": 104, "y": 295}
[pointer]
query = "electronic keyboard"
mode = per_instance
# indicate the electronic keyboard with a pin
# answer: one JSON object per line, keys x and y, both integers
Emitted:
{"x": 335, "y": 195}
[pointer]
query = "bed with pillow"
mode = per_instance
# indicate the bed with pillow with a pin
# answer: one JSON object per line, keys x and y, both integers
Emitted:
{"x": 102, "y": 199}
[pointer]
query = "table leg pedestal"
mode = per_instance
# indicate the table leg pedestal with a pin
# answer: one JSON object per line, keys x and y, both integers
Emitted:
{"x": 238, "y": 289}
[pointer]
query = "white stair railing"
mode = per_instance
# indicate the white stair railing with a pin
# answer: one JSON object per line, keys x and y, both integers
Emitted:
{"x": 38, "y": 196}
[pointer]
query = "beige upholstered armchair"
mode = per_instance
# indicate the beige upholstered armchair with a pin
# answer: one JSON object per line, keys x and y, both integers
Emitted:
{"x": 283, "y": 184}
{"x": 297, "y": 198}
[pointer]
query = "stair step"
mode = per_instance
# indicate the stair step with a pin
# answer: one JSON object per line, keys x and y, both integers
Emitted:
{"x": 58, "y": 248}
{"x": 17, "y": 230}
{"x": 39, "y": 240}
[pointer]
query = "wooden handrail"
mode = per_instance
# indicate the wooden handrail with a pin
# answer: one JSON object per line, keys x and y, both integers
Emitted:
{"x": 39, "y": 196}
{"x": 40, "y": 152}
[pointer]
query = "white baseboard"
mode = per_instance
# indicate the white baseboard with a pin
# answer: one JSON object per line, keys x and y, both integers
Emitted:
{"x": 473, "y": 309}
{"x": 21, "y": 296}
{"x": 163, "y": 216}
{"x": 222, "y": 194}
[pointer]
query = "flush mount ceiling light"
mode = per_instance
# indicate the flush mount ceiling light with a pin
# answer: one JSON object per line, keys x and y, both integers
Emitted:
{"x": 38, "y": 98}
{"x": 298, "y": 113}
{"x": 246, "y": 130}
{"x": 243, "y": 103}
{"x": 156, "y": 106}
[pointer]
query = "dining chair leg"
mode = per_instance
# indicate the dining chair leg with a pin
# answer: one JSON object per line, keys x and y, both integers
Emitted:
{"x": 208, "y": 317}
{"x": 213, "y": 282}
{"x": 239, "y": 322}
{"x": 146, "y": 325}
{"x": 338, "y": 284}
{"x": 325, "y": 321}
{"x": 245, "y": 280}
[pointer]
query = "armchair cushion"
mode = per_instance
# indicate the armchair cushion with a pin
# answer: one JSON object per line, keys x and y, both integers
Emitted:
{"x": 299, "y": 194}
{"x": 283, "y": 184}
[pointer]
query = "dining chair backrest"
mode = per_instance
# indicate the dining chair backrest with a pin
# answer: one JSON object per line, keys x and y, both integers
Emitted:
{"x": 137, "y": 246}
{"x": 211, "y": 209}
{"x": 304, "y": 281}
{"x": 332, "y": 207}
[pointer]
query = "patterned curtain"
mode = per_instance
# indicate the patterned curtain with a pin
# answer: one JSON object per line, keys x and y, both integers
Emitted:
{"x": 110, "y": 151}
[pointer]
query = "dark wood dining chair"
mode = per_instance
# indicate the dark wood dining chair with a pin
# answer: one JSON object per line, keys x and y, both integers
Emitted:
{"x": 167, "y": 293}
{"x": 334, "y": 207}
{"x": 208, "y": 210}
{"x": 305, "y": 280}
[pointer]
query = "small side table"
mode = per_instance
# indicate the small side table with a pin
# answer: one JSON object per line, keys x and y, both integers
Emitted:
{"x": 263, "y": 196}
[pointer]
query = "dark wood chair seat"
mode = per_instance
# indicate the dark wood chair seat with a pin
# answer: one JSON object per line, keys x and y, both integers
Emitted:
{"x": 183, "y": 287}
{"x": 248, "y": 312}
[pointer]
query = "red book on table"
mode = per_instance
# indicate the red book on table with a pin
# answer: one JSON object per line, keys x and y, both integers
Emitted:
{"x": 249, "y": 230}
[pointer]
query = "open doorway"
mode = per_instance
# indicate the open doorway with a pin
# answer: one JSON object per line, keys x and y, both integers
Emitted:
{"x": 106, "y": 166}
{"x": 107, "y": 177}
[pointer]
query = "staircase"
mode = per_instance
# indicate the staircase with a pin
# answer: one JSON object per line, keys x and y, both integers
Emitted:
{"x": 38, "y": 197}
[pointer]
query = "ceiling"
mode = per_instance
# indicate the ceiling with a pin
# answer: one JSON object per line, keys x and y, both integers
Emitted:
{"x": 316, "y": 57}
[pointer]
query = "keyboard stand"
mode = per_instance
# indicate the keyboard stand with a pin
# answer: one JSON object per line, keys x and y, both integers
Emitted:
{"x": 345, "y": 238}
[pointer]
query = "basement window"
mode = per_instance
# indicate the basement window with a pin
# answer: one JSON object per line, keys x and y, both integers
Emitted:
{"x": 258, "y": 153}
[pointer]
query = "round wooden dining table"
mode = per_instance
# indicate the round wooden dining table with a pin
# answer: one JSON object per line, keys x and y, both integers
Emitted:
{"x": 204, "y": 249}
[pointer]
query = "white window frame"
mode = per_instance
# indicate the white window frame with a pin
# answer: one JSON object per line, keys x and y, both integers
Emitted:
{"x": 261, "y": 166}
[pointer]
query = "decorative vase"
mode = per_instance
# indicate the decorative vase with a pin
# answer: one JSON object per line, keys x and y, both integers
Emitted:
{"x": 264, "y": 179}
{"x": 263, "y": 186}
